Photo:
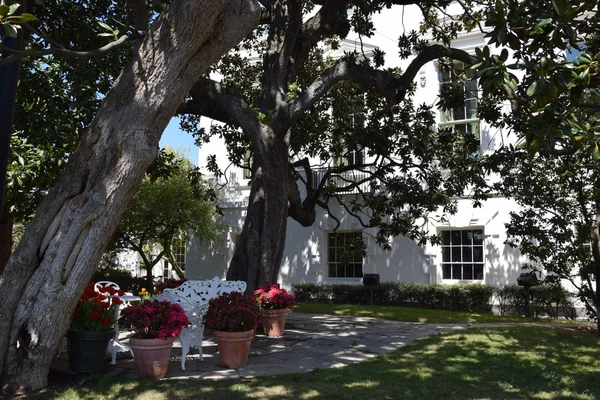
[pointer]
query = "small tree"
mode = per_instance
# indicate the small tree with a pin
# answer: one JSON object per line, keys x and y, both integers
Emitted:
{"x": 172, "y": 202}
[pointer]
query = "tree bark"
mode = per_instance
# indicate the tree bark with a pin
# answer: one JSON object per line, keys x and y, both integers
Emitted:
{"x": 259, "y": 251}
{"x": 6, "y": 239}
{"x": 63, "y": 243}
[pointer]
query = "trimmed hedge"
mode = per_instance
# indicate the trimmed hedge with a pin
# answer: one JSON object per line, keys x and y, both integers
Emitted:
{"x": 474, "y": 298}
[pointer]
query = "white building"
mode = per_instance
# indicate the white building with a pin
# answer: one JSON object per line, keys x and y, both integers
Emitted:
{"x": 473, "y": 247}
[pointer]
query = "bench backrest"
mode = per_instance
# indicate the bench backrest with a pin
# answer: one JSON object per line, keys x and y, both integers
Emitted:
{"x": 193, "y": 296}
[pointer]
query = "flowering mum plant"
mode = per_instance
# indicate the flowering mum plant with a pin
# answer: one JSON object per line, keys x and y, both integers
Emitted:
{"x": 233, "y": 312}
{"x": 168, "y": 284}
{"x": 273, "y": 297}
{"x": 96, "y": 310}
{"x": 154, "y": 319}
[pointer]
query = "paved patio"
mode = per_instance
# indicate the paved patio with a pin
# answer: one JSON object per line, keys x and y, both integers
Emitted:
{"x": 311, "y": 341}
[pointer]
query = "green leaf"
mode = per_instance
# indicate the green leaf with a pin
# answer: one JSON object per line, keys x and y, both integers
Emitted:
{"x": 532, "y": 89}
{"x": 105, "y": 26}
{"x": 21, "y": 19}
{"x": 4, "y": 9}
{"x": 10, "y": 30}
{"x": 13, "y": 7}
{"x": 596, "y": 153}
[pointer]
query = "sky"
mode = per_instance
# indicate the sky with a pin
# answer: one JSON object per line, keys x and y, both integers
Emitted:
{"x": 177, "y": 139}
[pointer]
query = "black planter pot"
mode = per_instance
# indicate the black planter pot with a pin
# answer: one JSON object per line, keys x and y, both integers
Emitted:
{"x": 87, "y": 349}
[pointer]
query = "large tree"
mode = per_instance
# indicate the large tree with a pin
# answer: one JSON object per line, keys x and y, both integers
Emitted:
{"x": 63, "y": 243}
{"x": 172, "y": 202}
{"x": 285, "y": 101}
{"x": 58, "y": 97}
{"x": 552, "y": 79}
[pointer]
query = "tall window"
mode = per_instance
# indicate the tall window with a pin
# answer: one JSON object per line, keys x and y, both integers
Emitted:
{"x": 461, "y": 85}
{"x": 462, "y": 254}
{"x": 344, "y": 254}
{"x": 179, "y": 252}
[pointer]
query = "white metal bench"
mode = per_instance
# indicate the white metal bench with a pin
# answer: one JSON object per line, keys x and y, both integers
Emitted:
{"x": 193, "y": 296}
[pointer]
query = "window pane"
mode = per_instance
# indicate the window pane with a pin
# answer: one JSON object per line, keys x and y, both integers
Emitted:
{"x": 446, "y": 271}
{"x": 331, "y": 255}
{"x": 456, "y": 254}
{"x": 478, "y": 271}
{"x": 349, "y": 271}
{"x": 446, "y": 254}
{"x": 456, "y": 238}
{"x": 331, "y": 240}
{"x": 468, "y": 271}
{"x": 456, "y": 271}
{"x": 340, "y": 271}
{"x": 446, "y": 237}
{"x": 466, "y": 254}
{"x": 340, "y": 240}
{"x": 332, "y": 270}
{"x": 478, "y": 253}
{"x": 467, "y": 237}
{"x": 478, "y": 237}
{"x": 358, "y": 271}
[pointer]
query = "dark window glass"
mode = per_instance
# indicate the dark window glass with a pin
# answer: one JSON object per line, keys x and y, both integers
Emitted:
{"x": 467, "y": 271}
{"x": 466, "y": 254}
{"x": 456, "y": 271}
{"x": 478, "y": 253}
{"x": 446, "y": 271}
{"x": 478, "y": 271}
{"x": 456, "y": 238}
{"x": 446, "y": 237}
{"x": 456, "y": 254}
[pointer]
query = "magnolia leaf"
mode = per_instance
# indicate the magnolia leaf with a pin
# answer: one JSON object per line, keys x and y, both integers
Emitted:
{"x": 13, "y": 8}
{"x": 596, "y": 152}
{"x": 105, "y": 26}
{"x": 532, "y": 89}
{"x": 4, "y": 9}
{"x": 10, "y": 30}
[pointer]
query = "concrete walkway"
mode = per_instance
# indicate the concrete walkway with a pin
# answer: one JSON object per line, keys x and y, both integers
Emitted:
{"x": 311, "y": 341}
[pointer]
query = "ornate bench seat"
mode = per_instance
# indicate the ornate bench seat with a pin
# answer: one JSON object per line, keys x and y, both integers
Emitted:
{"x": 193, "y": 296}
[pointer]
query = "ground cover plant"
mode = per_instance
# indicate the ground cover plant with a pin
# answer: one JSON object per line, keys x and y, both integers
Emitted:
{"x": 499, "y": 363}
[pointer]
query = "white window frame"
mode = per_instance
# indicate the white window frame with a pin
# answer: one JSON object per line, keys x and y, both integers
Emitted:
{"x": 447, "y": 116}
{"x": 461, "y": 247}
{"x": 334, "y": 256}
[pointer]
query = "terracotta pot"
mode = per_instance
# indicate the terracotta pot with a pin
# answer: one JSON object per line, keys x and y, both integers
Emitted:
{"x": 151, "y": 356}
{"x": 234, "y": 347}
{"x": 87, "y": 349}
{"x": 273, "y": 321}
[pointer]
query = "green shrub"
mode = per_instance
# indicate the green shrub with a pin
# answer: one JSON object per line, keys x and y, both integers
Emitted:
{"x": 122, "y": 278}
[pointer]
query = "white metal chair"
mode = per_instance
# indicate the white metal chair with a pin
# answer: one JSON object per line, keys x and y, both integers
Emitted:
{"x": 193, "y": 297}
{"x": 115, "y": 346}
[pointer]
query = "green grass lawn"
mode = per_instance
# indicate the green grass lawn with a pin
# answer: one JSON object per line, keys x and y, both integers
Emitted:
{"x": 418, "y": 314}
{"x": 498, "y": 363}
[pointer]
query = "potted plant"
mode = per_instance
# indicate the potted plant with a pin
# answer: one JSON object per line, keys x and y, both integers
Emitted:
{"x": 274, "y": 303}
{"x": 92, "y": 328}
{"x": 155, "y": 325}
{"x": 168, "y": 283}
{"x": 233, "y": 317}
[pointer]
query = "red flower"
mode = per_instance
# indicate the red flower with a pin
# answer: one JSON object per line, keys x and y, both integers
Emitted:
{"x": 96, "y": 314}
{"x": 105, "y": 321}
{"x": 121, "y": 293}
{"x": 117, "y": 300}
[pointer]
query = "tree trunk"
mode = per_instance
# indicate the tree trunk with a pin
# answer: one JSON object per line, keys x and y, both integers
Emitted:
{"x": 6, "y": 239}
{"x": 596, "y": 251}
{"x": 258, "y": 254}
{"x": 63, "y": 243}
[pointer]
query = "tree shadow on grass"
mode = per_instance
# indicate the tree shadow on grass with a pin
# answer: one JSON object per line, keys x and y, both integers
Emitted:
{"x": 499, "y": 363}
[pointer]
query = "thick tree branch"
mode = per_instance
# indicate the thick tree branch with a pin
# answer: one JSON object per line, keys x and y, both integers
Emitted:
{"x": 392, "y": 88}
{"x": 61, "y": 51}
{"x": 211, "y": 99}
